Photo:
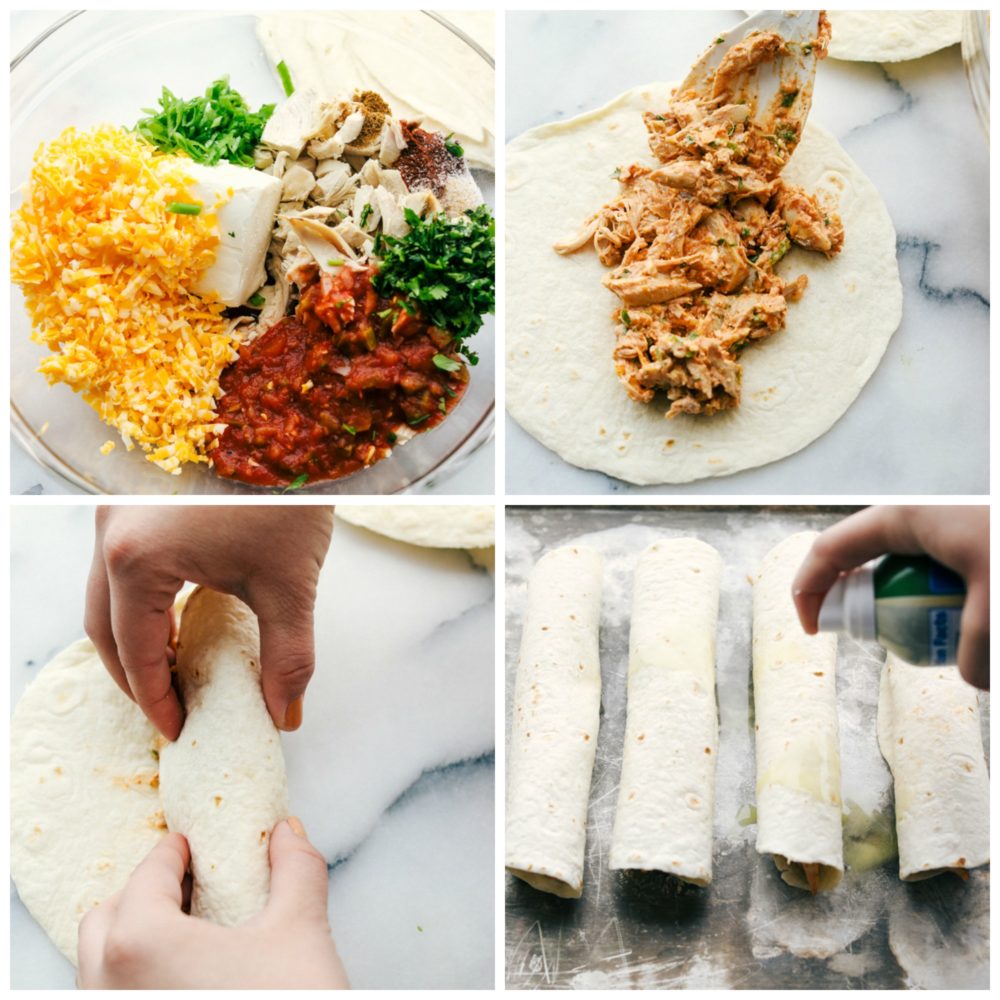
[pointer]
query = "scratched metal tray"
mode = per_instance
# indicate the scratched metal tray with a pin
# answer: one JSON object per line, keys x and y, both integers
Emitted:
{"x": 748, "y": 929}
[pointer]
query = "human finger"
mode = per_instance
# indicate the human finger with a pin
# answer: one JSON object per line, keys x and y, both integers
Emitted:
{"x": 157, "y": 880}
{"x": 850, "y": 543}
{"x": 287, "y": 651}
{"x": 97, "y": 620}
{"x": 142, "y": 627}
{"x": 298, "y": 874}
{"x": 974, "y": 640}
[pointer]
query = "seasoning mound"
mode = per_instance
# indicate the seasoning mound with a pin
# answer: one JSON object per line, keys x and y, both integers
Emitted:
{"x": 105, "y": 268}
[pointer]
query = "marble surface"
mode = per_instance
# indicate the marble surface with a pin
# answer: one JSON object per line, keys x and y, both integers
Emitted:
{"x": 921, "y": 423}
{"x": 473, "y": 475}
{"x": 392, "y": 770}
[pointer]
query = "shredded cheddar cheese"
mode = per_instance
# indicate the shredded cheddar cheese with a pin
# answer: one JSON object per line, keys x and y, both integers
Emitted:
{"x": 105, "y": 269}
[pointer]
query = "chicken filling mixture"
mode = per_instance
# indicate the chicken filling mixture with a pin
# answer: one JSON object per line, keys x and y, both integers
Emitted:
{"x": 694, "y": 242}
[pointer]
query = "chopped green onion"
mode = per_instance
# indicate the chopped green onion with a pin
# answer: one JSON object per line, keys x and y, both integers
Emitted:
{"x": 349, "y": 429}
{"x": 384, "y": 313}
{"x": 286, "y": 79}
{"x": 334, "y": 262}
{"x": 366, "y": 213}
{"x": 445, "y": 363}
{"x": 184, "y": 208}
{"x": 418, "y": 420}
{"x": 442, "y": 405}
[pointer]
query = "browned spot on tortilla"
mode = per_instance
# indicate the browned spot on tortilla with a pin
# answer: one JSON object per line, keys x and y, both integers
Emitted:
{"x": 640, "y": 737}
{"x": 586, "y": 736}
{"x": 817, "y": 673}
{"x": 218, "y": 800}
{"x": 263, "y": 836}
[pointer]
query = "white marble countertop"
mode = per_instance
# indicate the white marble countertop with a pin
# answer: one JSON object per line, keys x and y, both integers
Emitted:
{"x": 473, "y": 476}
{"x": 921, "y": 424}
{"x": 392, "y": 770}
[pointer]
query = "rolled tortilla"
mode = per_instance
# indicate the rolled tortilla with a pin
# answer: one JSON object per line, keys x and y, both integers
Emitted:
{"x": 222, "y": 783}
{"x": 798, "y": 751}
{"x": 557, "y": 702}
{"x": 666, "y": 795}
{"x": 929, "y": 733}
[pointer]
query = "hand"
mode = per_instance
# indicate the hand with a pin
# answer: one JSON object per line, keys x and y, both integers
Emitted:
{"x": 267, "y": 556}
{"x": 140, "y": 938}
{"x": 958, "y": 537}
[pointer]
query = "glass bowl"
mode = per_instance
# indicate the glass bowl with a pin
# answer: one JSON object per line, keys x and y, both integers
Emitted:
{"x": 95, "y": 67}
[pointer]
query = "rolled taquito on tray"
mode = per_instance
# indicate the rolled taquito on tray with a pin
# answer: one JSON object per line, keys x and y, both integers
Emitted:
{"x": 557, "y": 702}
{"x": 929, "y": 733}
{"x": 797, "y": 745}
{"x": 663, "y": 820}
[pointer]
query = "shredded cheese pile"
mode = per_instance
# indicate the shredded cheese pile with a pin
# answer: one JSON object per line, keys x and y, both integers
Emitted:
{"x": 105, "y": 269}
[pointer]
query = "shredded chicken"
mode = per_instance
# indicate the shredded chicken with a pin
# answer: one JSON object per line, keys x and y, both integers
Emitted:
{"x": 693, "y": 242}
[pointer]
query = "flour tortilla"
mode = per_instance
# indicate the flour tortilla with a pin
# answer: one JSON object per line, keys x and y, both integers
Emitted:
{"x": 797, "y": 744}
{"x": 561, "y": 384}
{"x": 666, "y": 795}
{"x": 929, "y": 733}
{"x": 464, "y": 526}
{"x": 84, "y": 805}
{"x": 91, "y": 780}
{"x": 892, "y": 35}
{"x": 223, "y": 782}
{"x": 557, "y": 703}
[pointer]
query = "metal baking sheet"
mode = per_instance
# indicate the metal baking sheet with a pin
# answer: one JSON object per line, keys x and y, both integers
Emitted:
{"x": 748, "y": 929}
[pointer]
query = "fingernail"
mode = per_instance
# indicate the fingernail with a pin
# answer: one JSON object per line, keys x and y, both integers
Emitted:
{"x": 297, "y": 828}
{"x": 293, "y": 715}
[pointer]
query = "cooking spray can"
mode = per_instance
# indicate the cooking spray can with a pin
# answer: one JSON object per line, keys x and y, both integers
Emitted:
{"x": 911, "y": 605}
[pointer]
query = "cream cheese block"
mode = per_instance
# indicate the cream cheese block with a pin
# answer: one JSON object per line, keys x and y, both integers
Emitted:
{"x": 247, "y": 201}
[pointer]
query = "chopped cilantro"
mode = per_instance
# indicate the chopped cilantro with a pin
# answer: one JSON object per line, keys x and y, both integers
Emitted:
{"x": 626, "y": 319}
{"x": 218, "y": 126}
{"x": 786, "y": 133}
{"x": 453, "y": 147}
{"x": 444, "y": 267}
{"x": 297, "y": 483}
{"x": 745, "y": 231}
{"x": 719, "y": 40}
{"x": 616, "y": 174}
{"x": 232, "y": 236}
{"x": 789, "y": 98}
{"x": 256, "y": 300}
{"x": 391, "y": 437}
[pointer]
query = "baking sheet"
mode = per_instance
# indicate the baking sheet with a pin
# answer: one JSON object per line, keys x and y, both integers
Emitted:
{"x": 748, "y": 929}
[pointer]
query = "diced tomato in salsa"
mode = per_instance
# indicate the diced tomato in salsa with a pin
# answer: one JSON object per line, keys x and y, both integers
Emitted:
{"x": 323, "y": 394}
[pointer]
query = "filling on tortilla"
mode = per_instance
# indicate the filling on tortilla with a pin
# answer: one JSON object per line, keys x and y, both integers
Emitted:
{"x": 814, "y": 876}
{"x": 693, "y": 243}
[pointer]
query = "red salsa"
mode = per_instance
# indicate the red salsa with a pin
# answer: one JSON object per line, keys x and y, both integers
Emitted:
{"x": 329, "y": 391}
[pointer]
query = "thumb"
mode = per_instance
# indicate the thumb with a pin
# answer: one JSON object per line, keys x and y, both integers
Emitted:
{"x": 287, "y": 651}
{"x": 298, "y": 874}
